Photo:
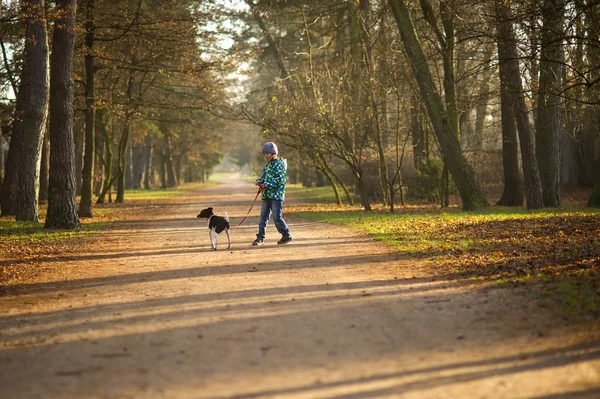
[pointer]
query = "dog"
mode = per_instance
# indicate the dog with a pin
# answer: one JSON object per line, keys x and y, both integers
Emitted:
{"x": 216, "y": 225}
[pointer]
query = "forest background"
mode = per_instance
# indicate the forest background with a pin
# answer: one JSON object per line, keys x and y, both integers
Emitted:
{"x": 388, "y": 102}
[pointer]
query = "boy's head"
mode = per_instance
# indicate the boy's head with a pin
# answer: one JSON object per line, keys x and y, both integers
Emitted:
{"x": 270, "y": 148}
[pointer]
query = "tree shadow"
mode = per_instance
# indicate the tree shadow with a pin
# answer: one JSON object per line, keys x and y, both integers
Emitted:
{"x": 187, "y": 272}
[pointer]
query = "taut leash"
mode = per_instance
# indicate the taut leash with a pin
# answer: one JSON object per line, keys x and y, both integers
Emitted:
{"x": 255, "y": 198}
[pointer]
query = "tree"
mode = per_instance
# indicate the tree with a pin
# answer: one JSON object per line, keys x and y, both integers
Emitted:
{"x": 549, "y": 102}
{"x": 34, "y": 91}
{"x": 62, "y": 208}
{"x": 85, "y": 204}
{"x": 444, "y": 128}
{"x": 512, "y": 97}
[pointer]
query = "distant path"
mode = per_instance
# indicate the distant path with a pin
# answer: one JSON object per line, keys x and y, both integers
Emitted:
{"x": 154, "y": 313}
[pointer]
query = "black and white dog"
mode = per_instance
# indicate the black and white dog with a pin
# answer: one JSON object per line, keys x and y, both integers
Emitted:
{"x": 216, "y": 225}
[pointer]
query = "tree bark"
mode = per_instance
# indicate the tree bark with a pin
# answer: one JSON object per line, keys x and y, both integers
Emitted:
{"x": 34, "y": 86}
{"x": 99, "y": 153}
{"x": 462, "y": 173}
{"x": 549, "y": 104}
{"x": 8, "y": 197}
{"x": 108, "y": 164}
{"x": 170, "y": 171}
{"x": 62, "y": 208}
{"x": 513, "y": 183}
{"x": 45, "y": 168}
{"x": 511, "y": 81}
{"x": 148, "y": 152}
{"x": 87, "y": 181}
{"x": 123, "y": 145}
{"x": 594, "y": 200}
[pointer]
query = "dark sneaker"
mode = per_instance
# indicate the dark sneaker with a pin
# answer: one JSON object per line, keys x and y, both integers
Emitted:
{"x": 284, "y": 240}
{"x": 258, "y": 242}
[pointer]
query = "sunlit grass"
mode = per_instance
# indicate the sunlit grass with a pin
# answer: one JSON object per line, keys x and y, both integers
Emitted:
{"x": 22, "y": 243}
{"x": 320, "y": 195}
{"x": 556, "y": 247}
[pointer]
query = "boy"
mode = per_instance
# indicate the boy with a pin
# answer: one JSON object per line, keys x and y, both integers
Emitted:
{"x": 272, "y": 182}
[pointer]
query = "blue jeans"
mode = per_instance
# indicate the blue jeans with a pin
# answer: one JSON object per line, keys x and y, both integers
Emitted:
{"x": 272, "y": 206}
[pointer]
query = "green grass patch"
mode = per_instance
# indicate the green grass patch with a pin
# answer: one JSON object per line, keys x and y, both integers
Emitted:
{"x": 23, "y": 244}
{"x": 321, "y": 195}
{"x": 559, "y": 248}
{"x": 154, "y": 194}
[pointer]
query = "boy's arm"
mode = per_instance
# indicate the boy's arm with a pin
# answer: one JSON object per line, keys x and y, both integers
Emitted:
{"x": 261, "y": 180}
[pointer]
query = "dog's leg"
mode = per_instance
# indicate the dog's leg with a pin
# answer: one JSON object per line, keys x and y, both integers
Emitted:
{"x": 228, "y": 239}
{"x": 211, "y": 236}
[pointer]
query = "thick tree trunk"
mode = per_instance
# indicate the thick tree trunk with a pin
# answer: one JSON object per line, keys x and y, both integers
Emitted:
{"x": 549, "y": 103}
{"x": 594, "y": 200}
{"x": 593, "y": 115}
{"x": 513, "y": 183}
{"x": 511, "y": 82}
{"x": 87, "y": 181}
{"x": 34, "y": 87}
{"x": 462, "y": 173}
{"x": 8, "y": 199}
{"x": 62, "y": 208}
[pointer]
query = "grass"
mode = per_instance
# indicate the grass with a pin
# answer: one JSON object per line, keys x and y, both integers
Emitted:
{"x": 24, "y": 244}
{"x": 312, "y": 195}
{"x": 556, "y": 248}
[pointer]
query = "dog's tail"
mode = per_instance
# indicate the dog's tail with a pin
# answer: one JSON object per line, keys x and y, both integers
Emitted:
{"x": 226, "y": 216}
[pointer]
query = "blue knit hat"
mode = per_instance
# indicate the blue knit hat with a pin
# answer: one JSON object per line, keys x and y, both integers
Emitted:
{"x": 270, "y": 148}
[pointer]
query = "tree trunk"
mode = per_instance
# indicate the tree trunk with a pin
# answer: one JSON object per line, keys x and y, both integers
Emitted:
{"x": 45, "y": 168}
{"x": 462, "y": 173}
{"x": 511, "y": 81}
{"x": 122, "y": 161}
{"x": 100, "y": 130}
{"x": 549, "y": 103}
{"x": 8, "y": 199}
{"x": 148, "y": 150}
{"x": 594, "y": 200}
{"x": 1, "y": 161}
{"x": 513, "y": 183}
{"x": 108, "y": 165}
{"x": 170, "y": 171}
{"x": 283, "y": 73}
{"x": 593, "y": 114}
{"x": 417, "y": 133}
{"x": 34, "y": 89}
{"x": 129, "y": 165}
{"x": 87, "y": 181}
{"x": 481, "y": 110}
{"x": 138, "y": 165}
{"x": 124, "y": 140}
{"x": 62, "y": 208}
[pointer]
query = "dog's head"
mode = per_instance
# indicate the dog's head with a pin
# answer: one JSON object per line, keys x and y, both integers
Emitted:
{"x": 205, "y": 213}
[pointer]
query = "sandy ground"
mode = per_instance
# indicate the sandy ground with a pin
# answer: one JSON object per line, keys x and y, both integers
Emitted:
{"x": 153, "y": 312}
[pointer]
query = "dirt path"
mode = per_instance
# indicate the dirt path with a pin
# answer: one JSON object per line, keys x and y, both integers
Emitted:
{"x": 154, "y": 313}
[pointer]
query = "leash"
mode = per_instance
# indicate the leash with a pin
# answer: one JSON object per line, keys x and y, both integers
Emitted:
{"x": 254, "y": 202}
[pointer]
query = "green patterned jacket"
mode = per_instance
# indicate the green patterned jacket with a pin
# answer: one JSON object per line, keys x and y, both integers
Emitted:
{"x": 274, "y": 176}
